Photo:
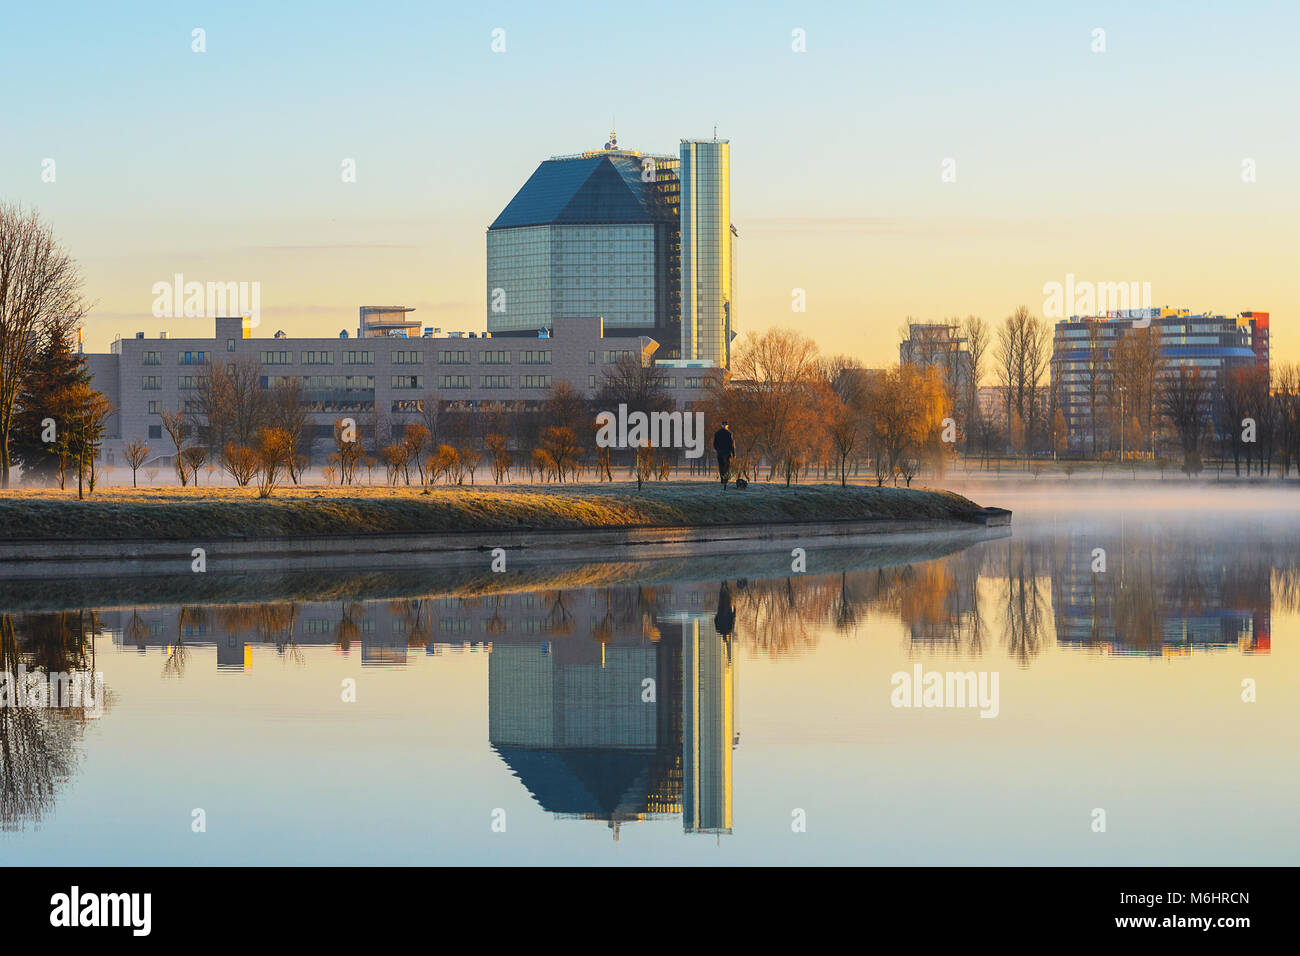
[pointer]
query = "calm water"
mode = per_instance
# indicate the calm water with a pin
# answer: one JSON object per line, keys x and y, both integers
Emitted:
{"x": 692, "y": 712}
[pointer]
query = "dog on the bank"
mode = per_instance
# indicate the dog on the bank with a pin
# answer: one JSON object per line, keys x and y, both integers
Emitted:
{"x": 741, "y": 483}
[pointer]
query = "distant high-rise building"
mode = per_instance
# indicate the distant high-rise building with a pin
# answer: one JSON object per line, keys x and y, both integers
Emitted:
{"x": 590, "y": 235}
{"x": 707, "y": 251}
{"x": 942, "y": 346}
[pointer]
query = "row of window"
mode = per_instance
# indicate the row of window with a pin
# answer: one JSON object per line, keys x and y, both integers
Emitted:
{"x": 400, "y": 357}
{"x": 182, "y": 358}
{"x": 152, "y": 383}
{"x": 350, "y": 383}
{"x": 493, "y": 381}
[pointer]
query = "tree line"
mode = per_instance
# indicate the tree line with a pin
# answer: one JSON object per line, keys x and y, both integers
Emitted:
{"x": 52, "y": 422}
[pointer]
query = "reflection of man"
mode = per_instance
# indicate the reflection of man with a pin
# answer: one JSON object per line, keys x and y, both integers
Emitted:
{"x": 725, "y": 446}
{"x": 724, "y": 622}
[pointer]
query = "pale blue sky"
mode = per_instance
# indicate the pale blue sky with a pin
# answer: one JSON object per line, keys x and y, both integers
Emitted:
{"x": 226, "y": 165}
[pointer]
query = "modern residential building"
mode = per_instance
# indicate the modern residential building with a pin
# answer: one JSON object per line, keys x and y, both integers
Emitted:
{"x": 590, "y": 234}
{"x": 708, "y": 241}
{"x": 388, "y": 376}
{"x": 940, "y": 345}
{"x": 1083, "y": 353}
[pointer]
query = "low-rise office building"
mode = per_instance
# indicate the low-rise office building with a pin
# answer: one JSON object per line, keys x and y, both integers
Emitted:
{"x": 385, "y": 375}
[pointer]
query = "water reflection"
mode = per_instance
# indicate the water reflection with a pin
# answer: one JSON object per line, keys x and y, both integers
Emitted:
{"x": 615, "y": 702}
{"x": 620, "y": 729}
{"x": 40, "y": 740}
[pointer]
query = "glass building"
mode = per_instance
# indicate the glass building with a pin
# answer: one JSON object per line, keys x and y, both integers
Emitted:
{"x": 594, "y": 234}
{"x": 707, "y": 251}
{"x": 1084, "y": 347}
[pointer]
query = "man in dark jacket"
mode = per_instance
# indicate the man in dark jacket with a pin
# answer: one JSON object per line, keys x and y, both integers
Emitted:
{"x": 725, "y": 447}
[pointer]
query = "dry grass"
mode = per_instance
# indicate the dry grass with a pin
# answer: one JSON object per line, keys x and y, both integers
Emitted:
{"x": 214, "y": 513}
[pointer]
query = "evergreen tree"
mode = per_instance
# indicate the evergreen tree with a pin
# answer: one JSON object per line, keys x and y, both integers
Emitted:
{"x": 57, "y": 371}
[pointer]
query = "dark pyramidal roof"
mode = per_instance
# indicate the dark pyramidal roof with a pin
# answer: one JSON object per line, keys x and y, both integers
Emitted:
{"x": 592, "y": 189}
{"x": 598, "y": 783}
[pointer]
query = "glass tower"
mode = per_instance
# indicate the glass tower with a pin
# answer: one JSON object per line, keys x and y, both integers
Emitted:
{"x": 589, "y": 235}
{"x": 707, "y": 251}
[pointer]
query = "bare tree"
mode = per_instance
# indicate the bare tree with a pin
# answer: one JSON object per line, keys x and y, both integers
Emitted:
{"x": 40, "y": 298}
{"x": 136, "y": 452}
{"x": 772, "y": 376}
{"x": 194, "y": 457}
{"x": 231, "y": 403}
{"x": 1037, "y": 354}
{"x": 1023, "y": 352}
{"x": 976, "y": 331}
{"x": 1137, "y": 364}
{"x": 287, "y": 411}
{"x": 432, "y": 417}
{"x": 1008, "y": 357}
{"x": 1185, "y": 402}
{"x": 845, "y": 430}
{"x": 174, "y": 425}
{"x": 274, "y": 446}
{"x": 629, "y": 382}
{"x": 1095, "y": 372}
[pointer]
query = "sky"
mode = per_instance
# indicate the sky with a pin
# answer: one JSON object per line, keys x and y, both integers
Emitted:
{"x": 226, "y": 165}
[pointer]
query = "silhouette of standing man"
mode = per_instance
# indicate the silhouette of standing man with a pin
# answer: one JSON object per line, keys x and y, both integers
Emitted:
{"x": 725, "y": 447}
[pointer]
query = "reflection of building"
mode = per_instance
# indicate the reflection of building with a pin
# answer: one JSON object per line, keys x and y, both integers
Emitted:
{"x": 1159, "y": 597}
{"x": 569, "y": 707}
{"x": 572, "y": 720}
{"x": 623, "y": 730}
{"x": 708, "y": 728}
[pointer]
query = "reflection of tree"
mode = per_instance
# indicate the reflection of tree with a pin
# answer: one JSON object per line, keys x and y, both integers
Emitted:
{"x": 779, "y": 617}
{"x": 604, "y": 628}
{"x": 847, "y": 608}
{"x": 1022, "y": 624}
{"x": 561, "y": 617}
{"x": 136, "y": 630}
{"x": 179, "y": 653}
{"x": 416, "y": 618}
{"x": 495, "y": 624}
{"x": 348, "y": 628}
{"x": 1286, "y": 589}
{"x": 38, "y": 745}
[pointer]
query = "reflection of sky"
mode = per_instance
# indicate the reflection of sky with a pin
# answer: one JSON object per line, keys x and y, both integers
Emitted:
{"x": 287, "y": 773}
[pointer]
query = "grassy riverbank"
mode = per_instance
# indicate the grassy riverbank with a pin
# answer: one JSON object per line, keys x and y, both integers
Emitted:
{"x": 160, "y": 514}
